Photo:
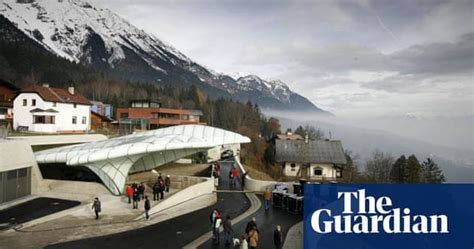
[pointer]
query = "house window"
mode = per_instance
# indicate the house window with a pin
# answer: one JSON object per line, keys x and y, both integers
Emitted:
{"x": 74, "y": 120}
{"x": 40, "y": 119}
{"x": 24, "y": 102}
{"x": 338, "y": 173}
{"x": 318, "y": 171}
{"x": 84, "y": 120}
{"x": 54, "y": 104}
{"x": 33, "y": 102}
{"x": 75, "y": 105}
{"x": 293, "y": 167}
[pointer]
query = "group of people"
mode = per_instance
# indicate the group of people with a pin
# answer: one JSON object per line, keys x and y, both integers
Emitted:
{"x": 136, "y": 192}
{"x": 216, "y": 172}
{"x": 160, "y": 187}
{"x": 250, "y": 239}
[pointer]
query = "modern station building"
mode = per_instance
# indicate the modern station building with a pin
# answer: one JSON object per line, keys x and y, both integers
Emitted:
{"x": 113, "y": 159}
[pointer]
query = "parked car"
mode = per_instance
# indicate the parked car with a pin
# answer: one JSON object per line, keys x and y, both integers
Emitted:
{"x": 227, "y": 154}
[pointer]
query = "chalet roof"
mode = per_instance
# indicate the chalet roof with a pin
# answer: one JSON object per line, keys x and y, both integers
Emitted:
{"x": 317, "y": 151}
{"x": 56, "y": 94}
{"x": 289, "y": 137}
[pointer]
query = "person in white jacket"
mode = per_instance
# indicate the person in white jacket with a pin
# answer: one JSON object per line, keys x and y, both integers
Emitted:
{"x": 215, "y": 228}
{"x": 243, "y": 242}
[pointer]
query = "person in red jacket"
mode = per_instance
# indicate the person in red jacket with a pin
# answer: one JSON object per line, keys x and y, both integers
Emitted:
{"x": 129, "y": 192}
{"x": 235, "y": 174}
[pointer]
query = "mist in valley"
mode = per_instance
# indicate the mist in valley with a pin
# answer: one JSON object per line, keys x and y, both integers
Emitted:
{"x": 448, "y": 141}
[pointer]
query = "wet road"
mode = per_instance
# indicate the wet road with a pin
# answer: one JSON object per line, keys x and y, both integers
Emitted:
{"x": 33, "y": 209}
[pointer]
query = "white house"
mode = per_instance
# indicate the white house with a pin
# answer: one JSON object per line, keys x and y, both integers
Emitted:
{"x": 321, "y": 160}
{"x": 45, "y": 109}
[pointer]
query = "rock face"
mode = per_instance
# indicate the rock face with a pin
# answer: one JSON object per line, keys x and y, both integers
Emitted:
{"x": 97, "y": 37}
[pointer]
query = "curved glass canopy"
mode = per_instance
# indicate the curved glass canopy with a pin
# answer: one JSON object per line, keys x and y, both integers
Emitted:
{"x": 114, "y": 158}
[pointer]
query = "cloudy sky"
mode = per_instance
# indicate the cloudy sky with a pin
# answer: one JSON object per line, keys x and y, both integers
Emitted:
{"x": 354, "y": 58}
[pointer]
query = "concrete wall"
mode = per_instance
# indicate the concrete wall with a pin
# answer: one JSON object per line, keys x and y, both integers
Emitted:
{"x": 259, "y": 185}
{"x": 17, "y": 155}
{"x": 74, "y": 187}
{"x": 63, "y": 119}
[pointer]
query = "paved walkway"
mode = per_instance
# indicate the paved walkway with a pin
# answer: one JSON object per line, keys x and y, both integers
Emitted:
{"x": 173, "y": 233}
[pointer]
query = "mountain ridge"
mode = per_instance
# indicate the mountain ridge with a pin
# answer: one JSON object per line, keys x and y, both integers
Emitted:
{"x": 101, "y": 39}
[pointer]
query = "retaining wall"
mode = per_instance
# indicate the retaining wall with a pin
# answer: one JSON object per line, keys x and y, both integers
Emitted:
{"x": 259, "y": 185}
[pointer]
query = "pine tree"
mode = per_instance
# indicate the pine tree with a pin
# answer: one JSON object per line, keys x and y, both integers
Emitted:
{"x": 397, "y": 172}
{"x": 300, "y": 131}
{"x": 413, "y": 172}
{"x": 269, "y": 155}
{"x": 431, "y": 173}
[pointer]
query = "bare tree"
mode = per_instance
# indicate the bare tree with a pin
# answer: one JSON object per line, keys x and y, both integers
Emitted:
{"x": 313, "y": 132}
{"x": 377, "y": 169}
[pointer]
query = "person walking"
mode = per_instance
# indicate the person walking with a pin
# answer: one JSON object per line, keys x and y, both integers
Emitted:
{"x": 141, "y": 190}
{"x": 277, "y": 237}
{"x": 215, "y": 227}
{"x": 96, "y": 206}
{"x": 242, "y": 179}
{"x": 231, "y": 178}
{"x": 267, "y": 196}
{"x": 129, "y": 192}
{"x": 235, "y": 174}
{"x": 167, "y": 183}
{"x": 162, "y": 187}
{"x": 228, "y": 231}
{"x": 136, "y": 198}
{"x": 156, "y": 191}
{"x": 252, "y": 223}
{"x": 253, "y": 237}
{"x": 147, "y": 208}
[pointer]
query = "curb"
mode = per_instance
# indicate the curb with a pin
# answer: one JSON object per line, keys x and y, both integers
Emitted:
{"x": 255, "y": 205}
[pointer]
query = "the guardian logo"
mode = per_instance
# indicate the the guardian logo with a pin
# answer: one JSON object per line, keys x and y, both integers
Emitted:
{"x": 375, "y": 216}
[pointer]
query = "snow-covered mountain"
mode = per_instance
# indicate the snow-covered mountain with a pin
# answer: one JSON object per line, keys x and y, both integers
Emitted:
{"x": 97, "y": 37}
{"x": 275, "y": 88}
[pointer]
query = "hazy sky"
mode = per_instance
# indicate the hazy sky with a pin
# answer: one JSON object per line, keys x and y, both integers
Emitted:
{"x": 353, "y": 58}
